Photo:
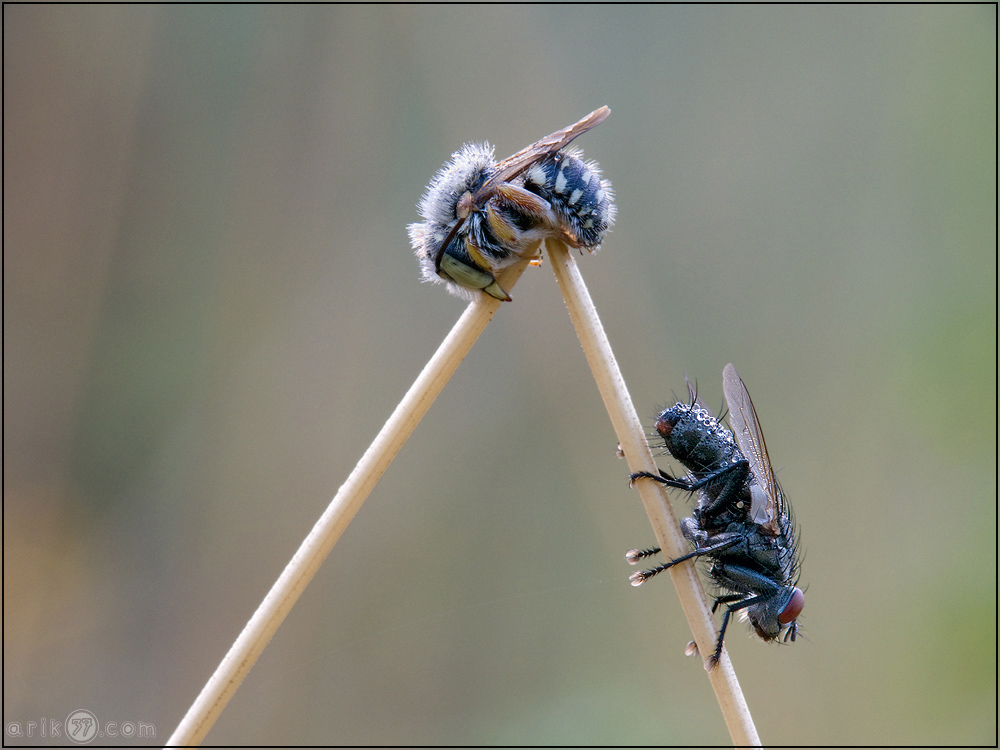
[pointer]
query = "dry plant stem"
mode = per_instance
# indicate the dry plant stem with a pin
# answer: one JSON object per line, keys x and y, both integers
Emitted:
{"x": 317, "y": 545}
{"x": 654, "y": 497}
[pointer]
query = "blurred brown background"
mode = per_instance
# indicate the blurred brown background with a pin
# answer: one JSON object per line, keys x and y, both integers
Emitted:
{"x": 210, "y": 308}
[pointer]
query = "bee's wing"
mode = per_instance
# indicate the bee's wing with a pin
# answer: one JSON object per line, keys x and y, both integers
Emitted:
{"x": 743, "y": 419}
{"x": 514, "y": 165}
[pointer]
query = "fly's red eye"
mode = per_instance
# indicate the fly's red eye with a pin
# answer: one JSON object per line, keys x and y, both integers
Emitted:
{"x": 794, "y": 606}
{"x": 663, "y": 427}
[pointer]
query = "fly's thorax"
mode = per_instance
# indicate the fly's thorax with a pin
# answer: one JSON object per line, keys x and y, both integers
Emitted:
{"x": 757, "y": 551}
{"x": 765, "y": 552}
{"x": 697, "y": 439}
{"x": 693, "y": 532}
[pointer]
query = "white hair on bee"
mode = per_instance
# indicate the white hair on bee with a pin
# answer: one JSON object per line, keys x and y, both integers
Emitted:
{"x": 468, "y": 169}
{"x": 481, "y": 216}
{"x": 583, "y": 201}
{"x": 466, "y": 172}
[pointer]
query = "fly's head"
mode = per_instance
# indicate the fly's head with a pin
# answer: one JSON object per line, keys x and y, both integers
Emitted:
{"x": 778, "y": 614}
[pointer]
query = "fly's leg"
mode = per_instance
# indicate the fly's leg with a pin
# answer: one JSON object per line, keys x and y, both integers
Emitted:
{"x": 713, "y": 661}
{"x": 662, "y": 478}
{"x": 725, "y": 600}
{"x": 633, "y": 556}
{"x": 733, "y": 477}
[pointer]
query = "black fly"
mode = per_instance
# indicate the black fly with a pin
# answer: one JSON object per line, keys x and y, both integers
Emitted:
{"x": 742, "y": 522}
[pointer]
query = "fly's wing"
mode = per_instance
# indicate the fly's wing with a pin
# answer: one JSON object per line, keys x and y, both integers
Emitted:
{"x": 514, "y": 165}
{"x": 764, "y": 506}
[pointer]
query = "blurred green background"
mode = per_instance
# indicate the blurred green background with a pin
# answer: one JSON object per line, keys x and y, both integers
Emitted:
{"x": 211, "y": 307}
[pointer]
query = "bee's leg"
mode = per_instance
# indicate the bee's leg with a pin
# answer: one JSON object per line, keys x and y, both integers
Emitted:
{"x": 515, "y": 218}
{"x": 526, "y": 203}
{"x": 471, "y": 277}
{"x": 495, "y": 290}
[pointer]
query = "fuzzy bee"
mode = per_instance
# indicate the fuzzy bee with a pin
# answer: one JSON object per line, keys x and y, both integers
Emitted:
{"x": 481, "y": 216}
{"x": 742, "y": 522}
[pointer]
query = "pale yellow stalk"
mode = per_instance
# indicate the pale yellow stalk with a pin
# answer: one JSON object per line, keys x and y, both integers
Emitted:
{"x": 317, "y": 545}
{"x": 654, "y": 496}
